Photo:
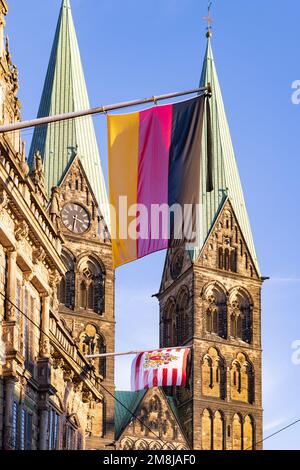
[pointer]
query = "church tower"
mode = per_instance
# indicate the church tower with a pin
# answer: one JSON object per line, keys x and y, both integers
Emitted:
{"x": 210, "y": 297}
{"x": 79, "y": 208}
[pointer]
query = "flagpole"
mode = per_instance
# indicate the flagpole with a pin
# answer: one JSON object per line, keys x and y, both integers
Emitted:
{"x": 96, "y": 356}
{"x": 99, "y": 110}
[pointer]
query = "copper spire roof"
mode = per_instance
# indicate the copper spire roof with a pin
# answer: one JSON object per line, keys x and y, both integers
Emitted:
{"x": 65, "y": 91}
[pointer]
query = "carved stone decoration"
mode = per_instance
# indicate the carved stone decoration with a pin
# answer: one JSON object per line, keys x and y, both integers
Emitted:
{"x": 38, "y": 255}
{"x": 45, "y": 347}
{"x": 54, "y": 210}
{"x": 23, "y": 385}
{"x": 3, "y": 199}
{"x": 87, "y": 396}
{"x": 78, "y": 386}
{"x": 58, "y": 362}
{"x": 22, "y": 159}
{"x": 21, "y": 230}
{"x": 68, "y": 375}
{"x": 177, "y": 264}
{"x": 37, "y": 174}
{"x": 54, "y": 280}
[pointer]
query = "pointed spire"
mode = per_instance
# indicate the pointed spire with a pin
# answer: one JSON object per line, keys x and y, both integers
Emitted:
{"x": 226, "y": 176}
{"x": 65, "y": 91}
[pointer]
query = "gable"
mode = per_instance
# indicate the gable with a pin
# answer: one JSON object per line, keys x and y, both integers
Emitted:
{"x": 75, "y": 188}
{"x": 154, "y": 411}
{"x": 226, "y": 248}
{"x": 75, "y": 179}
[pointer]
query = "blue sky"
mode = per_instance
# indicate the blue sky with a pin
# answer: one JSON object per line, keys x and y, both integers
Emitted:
{"x": 133, "y": 49}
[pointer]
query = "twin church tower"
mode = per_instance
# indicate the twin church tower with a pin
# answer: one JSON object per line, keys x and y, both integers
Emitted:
{"x": 209, "y": 297}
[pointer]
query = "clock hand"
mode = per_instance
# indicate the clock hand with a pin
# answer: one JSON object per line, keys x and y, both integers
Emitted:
{"x": 74, "y": 223}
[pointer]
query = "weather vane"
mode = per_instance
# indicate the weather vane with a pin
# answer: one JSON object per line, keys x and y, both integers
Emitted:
{"x": 208, "y": 20}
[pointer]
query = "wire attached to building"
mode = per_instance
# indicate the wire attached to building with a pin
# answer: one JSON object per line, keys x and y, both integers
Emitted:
{"x": 85, "y": 373}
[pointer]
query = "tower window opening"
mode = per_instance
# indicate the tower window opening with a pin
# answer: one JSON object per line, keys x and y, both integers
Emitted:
{"x": 226, "y": 260}
{"x": 221, "y": 260}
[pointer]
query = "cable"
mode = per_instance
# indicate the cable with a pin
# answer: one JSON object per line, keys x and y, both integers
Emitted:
{"x": 122, "y": 404}
{"x": 85, "y": 373}
{"x": 275, "y": 433}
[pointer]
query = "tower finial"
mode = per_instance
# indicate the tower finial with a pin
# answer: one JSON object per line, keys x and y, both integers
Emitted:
{"x": 209, "y": 21}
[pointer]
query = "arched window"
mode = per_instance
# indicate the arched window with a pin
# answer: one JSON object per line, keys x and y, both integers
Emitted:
{"x": 241, "y": 317}
{"x": 233, "y": 261}
{"x": 127, "y": 444}
{"x": 83, "y": 295}
{"x": 93, "y": 342}
{"x": 218, "y": 431}
{"x": 207, "y": 430}
{"x": 236, "y": 232}
{"x": 169, "y": 324}
{"x": 248, "y": 434}
{"x": 208, "y": 322}
{"x": 239, "y": 327}
{"x": 213, "y": 375}
{"x": 91, "y": 296}
{"x": 237, "y": 432}
{"x": 216, "y": 313}
{"x": 242, "y": 379}
{"x": 182, "y": 320}
{"x": 215, "y": 321}
{"x": 141, "y": 445}
{"x": 62, "y": 291}
{"x": 226, "y": 260}
{"x": 67, "y": 285}
{"x": 233, "y": 325}
{"x": 221, "y": 260}
{"x": 91, "y": 285}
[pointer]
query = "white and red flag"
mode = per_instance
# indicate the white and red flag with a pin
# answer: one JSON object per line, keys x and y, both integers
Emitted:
{"x": 159, "y": 368}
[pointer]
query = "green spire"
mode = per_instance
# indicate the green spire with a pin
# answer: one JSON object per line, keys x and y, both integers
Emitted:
{"x": 65, "y": 91}
{"x": 226, "y": 176}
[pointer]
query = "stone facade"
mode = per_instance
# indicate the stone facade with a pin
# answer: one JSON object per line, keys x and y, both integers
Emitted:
{"x": 51, "y": 396}
{"x": 156, "y": 426}
{"x": 214, "y": 304}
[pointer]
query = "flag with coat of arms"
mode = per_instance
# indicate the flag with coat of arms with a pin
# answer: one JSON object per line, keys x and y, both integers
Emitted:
{"x": 159, "y": 368}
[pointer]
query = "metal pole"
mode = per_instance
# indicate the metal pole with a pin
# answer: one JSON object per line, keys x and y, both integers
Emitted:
{"x": 96, "y": 356}
{"x": 102, "y": 109}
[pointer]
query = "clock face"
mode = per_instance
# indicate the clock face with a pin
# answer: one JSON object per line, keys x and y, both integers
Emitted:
{"x": 75, "y": 218}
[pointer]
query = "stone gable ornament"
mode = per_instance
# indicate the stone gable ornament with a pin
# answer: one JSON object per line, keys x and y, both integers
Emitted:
{"x": 3, "y": 199}
{"x": 39, "y": 255}
{"x": 37, "y": 174}
{"x": 54, "y": 210}
{"x": 22, "y": 230}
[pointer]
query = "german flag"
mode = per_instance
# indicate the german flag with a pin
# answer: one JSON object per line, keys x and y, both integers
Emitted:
{"x": 154, "y": 159}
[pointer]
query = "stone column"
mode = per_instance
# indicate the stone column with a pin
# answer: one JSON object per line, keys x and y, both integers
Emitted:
{"x": 45, "y": 326}
{"x": 11, "y": 286}
{"x": 9, "y": 388}
{"x": 44, "y": 418}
